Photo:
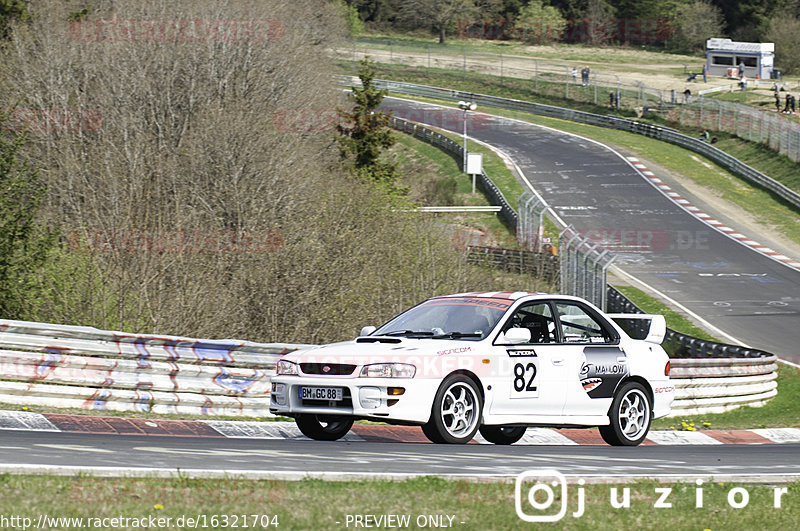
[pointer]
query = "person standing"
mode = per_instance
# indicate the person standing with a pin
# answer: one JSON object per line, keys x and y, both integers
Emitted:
{"x": 705, "y": 73}
{"x": 777, "y": 102}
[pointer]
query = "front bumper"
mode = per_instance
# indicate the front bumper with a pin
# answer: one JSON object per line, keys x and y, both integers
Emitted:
{"x": 368, "y": 398}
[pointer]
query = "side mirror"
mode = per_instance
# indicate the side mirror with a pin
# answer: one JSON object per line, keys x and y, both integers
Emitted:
{"x": 367, "y": 331}
{"x": 514, "y": 336}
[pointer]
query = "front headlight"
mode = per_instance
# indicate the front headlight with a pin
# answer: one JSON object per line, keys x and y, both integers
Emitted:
{"x": 388, "y": 370}
{"x": 285, "y": 367}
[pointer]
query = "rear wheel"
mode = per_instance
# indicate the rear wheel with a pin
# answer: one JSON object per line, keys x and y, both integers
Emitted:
{"x": 456, "y": 411}
{"x": 324, "y": 427}
{"x": 502, "y": 434}
{"x": 630, "y": 416}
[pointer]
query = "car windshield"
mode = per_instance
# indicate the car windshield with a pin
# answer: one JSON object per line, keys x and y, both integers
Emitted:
{"x": 469, "y": 318}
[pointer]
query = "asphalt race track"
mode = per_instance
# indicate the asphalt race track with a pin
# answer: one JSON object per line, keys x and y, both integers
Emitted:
{"x": 749, "y": 296}
{"x": 121, "y": 455}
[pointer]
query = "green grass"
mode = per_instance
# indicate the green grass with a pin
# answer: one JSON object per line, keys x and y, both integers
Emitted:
{"x": 422, "y": 163}
{"x": 314, "y": 504}
{"x": 754, "y": 154}
{"x": 675, "y": 320}
{"x": 776, "y": 216}
{"x": 555, "y": 52}
{"x": 780, "y": 411}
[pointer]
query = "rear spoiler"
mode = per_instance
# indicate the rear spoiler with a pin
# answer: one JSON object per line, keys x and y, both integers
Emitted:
{"x": 652, "y": 332}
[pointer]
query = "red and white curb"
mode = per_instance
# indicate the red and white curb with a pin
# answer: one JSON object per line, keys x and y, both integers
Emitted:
{"x": 709, "y": 220}
{"x": 28, "y": 421}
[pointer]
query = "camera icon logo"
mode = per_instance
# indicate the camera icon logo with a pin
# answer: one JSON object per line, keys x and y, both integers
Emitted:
{"x": 535, "y": 494}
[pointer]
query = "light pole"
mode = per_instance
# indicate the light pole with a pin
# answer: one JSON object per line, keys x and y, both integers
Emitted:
{"x": 466, "y": 106}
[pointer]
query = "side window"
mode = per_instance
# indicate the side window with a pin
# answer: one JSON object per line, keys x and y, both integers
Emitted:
{"x": 577, "y": 326}
{"x": 538, "y": 318}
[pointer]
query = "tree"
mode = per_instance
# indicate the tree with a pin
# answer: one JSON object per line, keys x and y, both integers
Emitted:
{"x": 351, "y": 17}
{"x": 11, "y": 10}
{"x": 695, "y": 23}
{"x": 599, "y": 22}
{"x": 784, "y": 31}
{"x": 365, "y": 132}
{"x": 24, "y": 243}
{"x": 439, "y": 14}
{"x": 539, "y": 23}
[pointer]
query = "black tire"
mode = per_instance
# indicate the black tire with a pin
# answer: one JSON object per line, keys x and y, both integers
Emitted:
{"x": 502, "y": 434}
{"x": 456, "y": 412}
{"x": 630, "y": 415}
{"x": 324, "y": 427}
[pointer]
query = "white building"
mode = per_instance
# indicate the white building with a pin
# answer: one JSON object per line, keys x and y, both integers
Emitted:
{"x": 723, "y": 57}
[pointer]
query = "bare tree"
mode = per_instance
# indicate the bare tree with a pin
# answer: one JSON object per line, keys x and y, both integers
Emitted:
{"x": 189, "y": 204}
{"x": 440, "y": 14}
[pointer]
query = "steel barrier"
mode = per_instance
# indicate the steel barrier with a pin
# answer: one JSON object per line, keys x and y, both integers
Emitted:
{"x": 654, "y": 131}
{"x": 710, "y": 377}
{"x": 437, "y": 139}
{"x": 716, "y": 385}
{"x": 86, "y": 368}
{"x": 79, "y": 367}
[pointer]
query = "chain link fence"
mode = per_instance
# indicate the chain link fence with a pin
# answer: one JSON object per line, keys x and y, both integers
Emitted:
{"x": 550, "y": 79}
{"x": 773, "y": 129}
{"x": 530, "y": 227}
{"x": 584, "y": 267}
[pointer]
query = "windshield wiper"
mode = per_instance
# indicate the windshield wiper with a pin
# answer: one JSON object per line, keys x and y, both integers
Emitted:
{"x": 457, "y": 335}
{"x": 408, "y": 333}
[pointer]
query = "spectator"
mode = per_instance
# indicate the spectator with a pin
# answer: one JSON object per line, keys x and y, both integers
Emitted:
{"x": 687, "y": 95}
{"x": 743, "y": 83}
{"x": 741, "y": 70}
{"x": 786, "y": 107}
{"x": 585, "y": 75}
{"x": 792, "y": 103}
{"x": 574, "y": 75}
{"x": 777, "y": 101}
{"x": 705, "y": 73}
{"x": 705, "y": 136}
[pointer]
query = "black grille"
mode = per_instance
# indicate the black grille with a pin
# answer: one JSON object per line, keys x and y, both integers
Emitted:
{"x": 327, "y": 369}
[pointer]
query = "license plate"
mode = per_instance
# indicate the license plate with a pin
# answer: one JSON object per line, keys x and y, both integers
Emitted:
{"x": 320, "y": 393}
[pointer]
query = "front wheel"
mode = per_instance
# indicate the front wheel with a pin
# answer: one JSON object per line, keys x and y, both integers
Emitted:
{"x": 630, "y": 416}
{"x": 324, "y": 427}
{"x": 456, "y": 412}
{"x": 502, "y": 434}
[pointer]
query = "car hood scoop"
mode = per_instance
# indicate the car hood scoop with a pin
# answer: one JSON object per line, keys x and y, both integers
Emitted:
{"x": 378, "y": 339}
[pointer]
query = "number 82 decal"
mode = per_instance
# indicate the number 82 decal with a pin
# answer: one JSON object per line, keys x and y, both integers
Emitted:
{"x": 524, "y": 379}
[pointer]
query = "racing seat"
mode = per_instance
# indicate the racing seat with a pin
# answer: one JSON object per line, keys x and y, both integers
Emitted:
{"x": 538, "y": 325}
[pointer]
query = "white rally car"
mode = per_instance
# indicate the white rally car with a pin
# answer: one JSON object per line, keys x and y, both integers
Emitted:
{"x": 489, "y": 362}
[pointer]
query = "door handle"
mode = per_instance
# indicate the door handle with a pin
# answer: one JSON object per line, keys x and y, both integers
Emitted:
{"x": 622, "y": 359}
{"x": 558, "y": 361}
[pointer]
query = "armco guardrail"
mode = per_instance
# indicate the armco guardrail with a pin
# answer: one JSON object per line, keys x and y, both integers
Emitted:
{"x": 682, "y": 345}
{"x": 658, "y": 132}
{"x": 86, "y": 368}
{"x": 443, "y": 142}
{"x": 711, "y": 377}
{"x": 716, "y": 385}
